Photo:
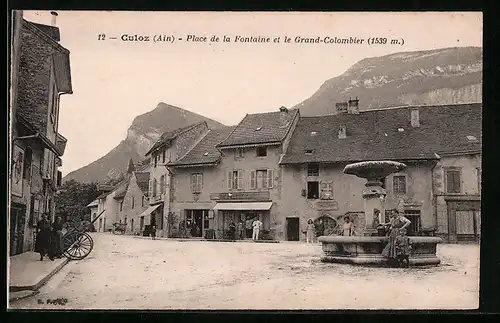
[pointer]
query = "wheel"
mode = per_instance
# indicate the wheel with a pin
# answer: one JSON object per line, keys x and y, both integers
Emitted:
{"x": 80, "y": 246}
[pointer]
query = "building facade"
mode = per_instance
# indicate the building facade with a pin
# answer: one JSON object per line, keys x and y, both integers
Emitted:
{"x": 438, "y": 191}
{"x": 169, "y": 147}
{"x": 37, "y": 146}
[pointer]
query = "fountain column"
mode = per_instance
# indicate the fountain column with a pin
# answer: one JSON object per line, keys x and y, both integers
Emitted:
{"x": 373, "y": 196}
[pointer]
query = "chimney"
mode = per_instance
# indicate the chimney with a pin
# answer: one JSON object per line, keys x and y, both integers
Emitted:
{"x": 341, "y": 107}
{"x": 353, "y": 106}
{"x": 415, "y": 118}
{"x": 54, "y": 17}
{"x": 342, "y": 131}
{"x": 283, "y": 116}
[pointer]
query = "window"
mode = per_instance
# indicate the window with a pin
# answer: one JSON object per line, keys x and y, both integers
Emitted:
{"x": 162, "y": 185}
{"x": 262, "y": 179}
{"x": 142, "y": 201}
{"x": 28, "y": 156}
{"x": 452, "y": 180}
{"x": 133, "y": 201}
{"x": 59, "y": 178}
{"x": 154, "y": 187}
{"x": 238, "y": 153}
{"x": 196, "y": 183}
{"x": 155, "y": 160}
{"x": 326, "y": 191}
{"x": 312, "y": 169}
{"x": 235, "y": 180}
{"x": 399, "y": 184}
{"x": 121, "y": 206}
{"x": 415, "y": 227}
{"x": 164, "y": 153}
{"x": 262, "y": 151}
{"x": 312, "y": 190}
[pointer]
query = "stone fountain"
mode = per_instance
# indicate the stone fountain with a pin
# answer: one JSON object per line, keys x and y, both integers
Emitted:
{"x": 367, "y": 249}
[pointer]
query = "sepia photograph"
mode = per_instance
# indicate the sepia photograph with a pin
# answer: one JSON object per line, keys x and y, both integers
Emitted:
{"x": 166, "y": 160}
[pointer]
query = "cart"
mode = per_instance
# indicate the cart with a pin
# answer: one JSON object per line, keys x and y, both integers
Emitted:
{"x": 119, "y": 228}
{"x": 77, "y": 243}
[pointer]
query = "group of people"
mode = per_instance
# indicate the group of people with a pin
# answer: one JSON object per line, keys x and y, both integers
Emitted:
{"x": 240, "y": 230}
{"x": 397, "y": 250}
{"x": 49, "y": 238}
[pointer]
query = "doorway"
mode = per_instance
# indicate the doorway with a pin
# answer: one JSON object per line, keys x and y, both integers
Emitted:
{"x": 292, "y": 229}
{"x": 17, "y": 222}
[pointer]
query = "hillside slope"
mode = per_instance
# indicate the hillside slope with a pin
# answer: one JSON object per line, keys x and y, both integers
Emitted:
{"x": 441, "y": 76}
{"x": 141, "y": 135}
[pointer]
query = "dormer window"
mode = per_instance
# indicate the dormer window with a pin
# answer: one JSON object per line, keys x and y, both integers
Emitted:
{"x": 313, "y": 133}
{"x": 471, "y": 138}
{"x": 261, "y": 151}
{"x": 205, "y": 154}
{"x": 401, "y": 129}
{"x": 309, "y": 151}
{"x": 258, "y": 128}
{"x": 342, "y": 132}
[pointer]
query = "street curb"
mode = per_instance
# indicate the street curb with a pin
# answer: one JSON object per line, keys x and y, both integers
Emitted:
{"x": 16, "y": 296}
{"x": 211, "y": 240}
{"x": 41, "y": 279}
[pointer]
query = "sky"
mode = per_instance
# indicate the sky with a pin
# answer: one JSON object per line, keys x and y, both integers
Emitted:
{"x": 114, "y": 81}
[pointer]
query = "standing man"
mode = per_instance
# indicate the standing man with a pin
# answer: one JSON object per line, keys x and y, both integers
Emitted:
{"x": 256, "y": 229}
{"x": 240, "y": 228}
{"x": 57, "y": 227}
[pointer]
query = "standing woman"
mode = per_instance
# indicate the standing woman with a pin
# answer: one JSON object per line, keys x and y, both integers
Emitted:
{"x": 310, "y": 231}
{"x": 43, "y": 238}
{"x": 348, "y": 227}
{"x": 398, "y": 248}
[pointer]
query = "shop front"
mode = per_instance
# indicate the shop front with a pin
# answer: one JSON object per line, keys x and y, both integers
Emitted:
{"x": 235, "y": 219}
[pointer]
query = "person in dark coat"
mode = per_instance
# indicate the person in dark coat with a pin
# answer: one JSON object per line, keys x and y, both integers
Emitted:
{"x": 43, "y": 244}
{"x": 57, "y": 227}
{"x": 153, "y": 232}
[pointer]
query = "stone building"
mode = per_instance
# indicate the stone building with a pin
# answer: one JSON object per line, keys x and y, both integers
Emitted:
{"x": 195, "y": 176}
{"x": 239, "y": 178}
{"x": 169, "y": 147}
{"x": 41, "y": 77}
{"x": 435, "y": 142}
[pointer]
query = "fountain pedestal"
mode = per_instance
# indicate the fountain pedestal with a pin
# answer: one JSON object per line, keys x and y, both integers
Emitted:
{"x": 373, "y": 196}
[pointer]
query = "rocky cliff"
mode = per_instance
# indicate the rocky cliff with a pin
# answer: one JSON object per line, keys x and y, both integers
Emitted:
{"x": 141, "y": 135}
{"x": 442, "y": 76}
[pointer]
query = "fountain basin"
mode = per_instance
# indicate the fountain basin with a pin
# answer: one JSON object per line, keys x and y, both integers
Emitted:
{"x": 367, "y": 250}
{"x": 374, "y": 169}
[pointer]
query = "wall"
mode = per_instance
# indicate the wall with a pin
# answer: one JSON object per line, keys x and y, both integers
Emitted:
{"x": 130, "y": 213}
{"x": 347, "y": 198}
{"x": 470, "y": 184}
{"x": 180, "y": 146}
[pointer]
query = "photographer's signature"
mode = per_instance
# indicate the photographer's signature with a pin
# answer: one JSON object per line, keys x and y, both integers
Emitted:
{"x": 57, "y": 301}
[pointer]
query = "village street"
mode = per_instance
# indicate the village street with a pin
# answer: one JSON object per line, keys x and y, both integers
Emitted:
{"x": 125, "y": 272}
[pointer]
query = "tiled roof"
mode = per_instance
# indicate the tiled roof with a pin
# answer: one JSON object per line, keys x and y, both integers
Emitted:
{"x": 387, "y": 134}
{"x": 167, "y": 137}
{"x": 205, "y": 152}
{"x": 143, "y": 181}
{"x": 260, "y": 128}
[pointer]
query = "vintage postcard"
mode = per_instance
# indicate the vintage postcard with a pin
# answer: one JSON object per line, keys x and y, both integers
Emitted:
{"x": 245, "y": 160}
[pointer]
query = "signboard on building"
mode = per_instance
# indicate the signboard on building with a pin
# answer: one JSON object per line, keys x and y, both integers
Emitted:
{"x": 327, "y": 205}
{"x": 17, "y": 171}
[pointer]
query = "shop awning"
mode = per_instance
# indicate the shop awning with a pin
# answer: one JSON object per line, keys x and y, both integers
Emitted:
{"x": 150, "y": 210}
{"x": 244, "y": 206}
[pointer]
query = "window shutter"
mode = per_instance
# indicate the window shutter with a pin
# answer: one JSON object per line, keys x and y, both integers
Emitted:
{"x": 240, "y": 180}
{"x": 200, "y": 182}
{"x": 229, "y": 180}
{"x": 270, "y": 178}
{"x": 322, "y": 190}
{"x": 252, "y": 180}
{"x": 264, "y": 178}
{"x": 193, "y": 183}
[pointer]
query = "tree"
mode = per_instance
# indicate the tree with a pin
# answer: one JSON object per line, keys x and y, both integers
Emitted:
{"x": 73, "y": 198}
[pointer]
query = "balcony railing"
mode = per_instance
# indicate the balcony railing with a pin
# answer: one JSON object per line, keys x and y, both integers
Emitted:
{"x": 241, "y": 196}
